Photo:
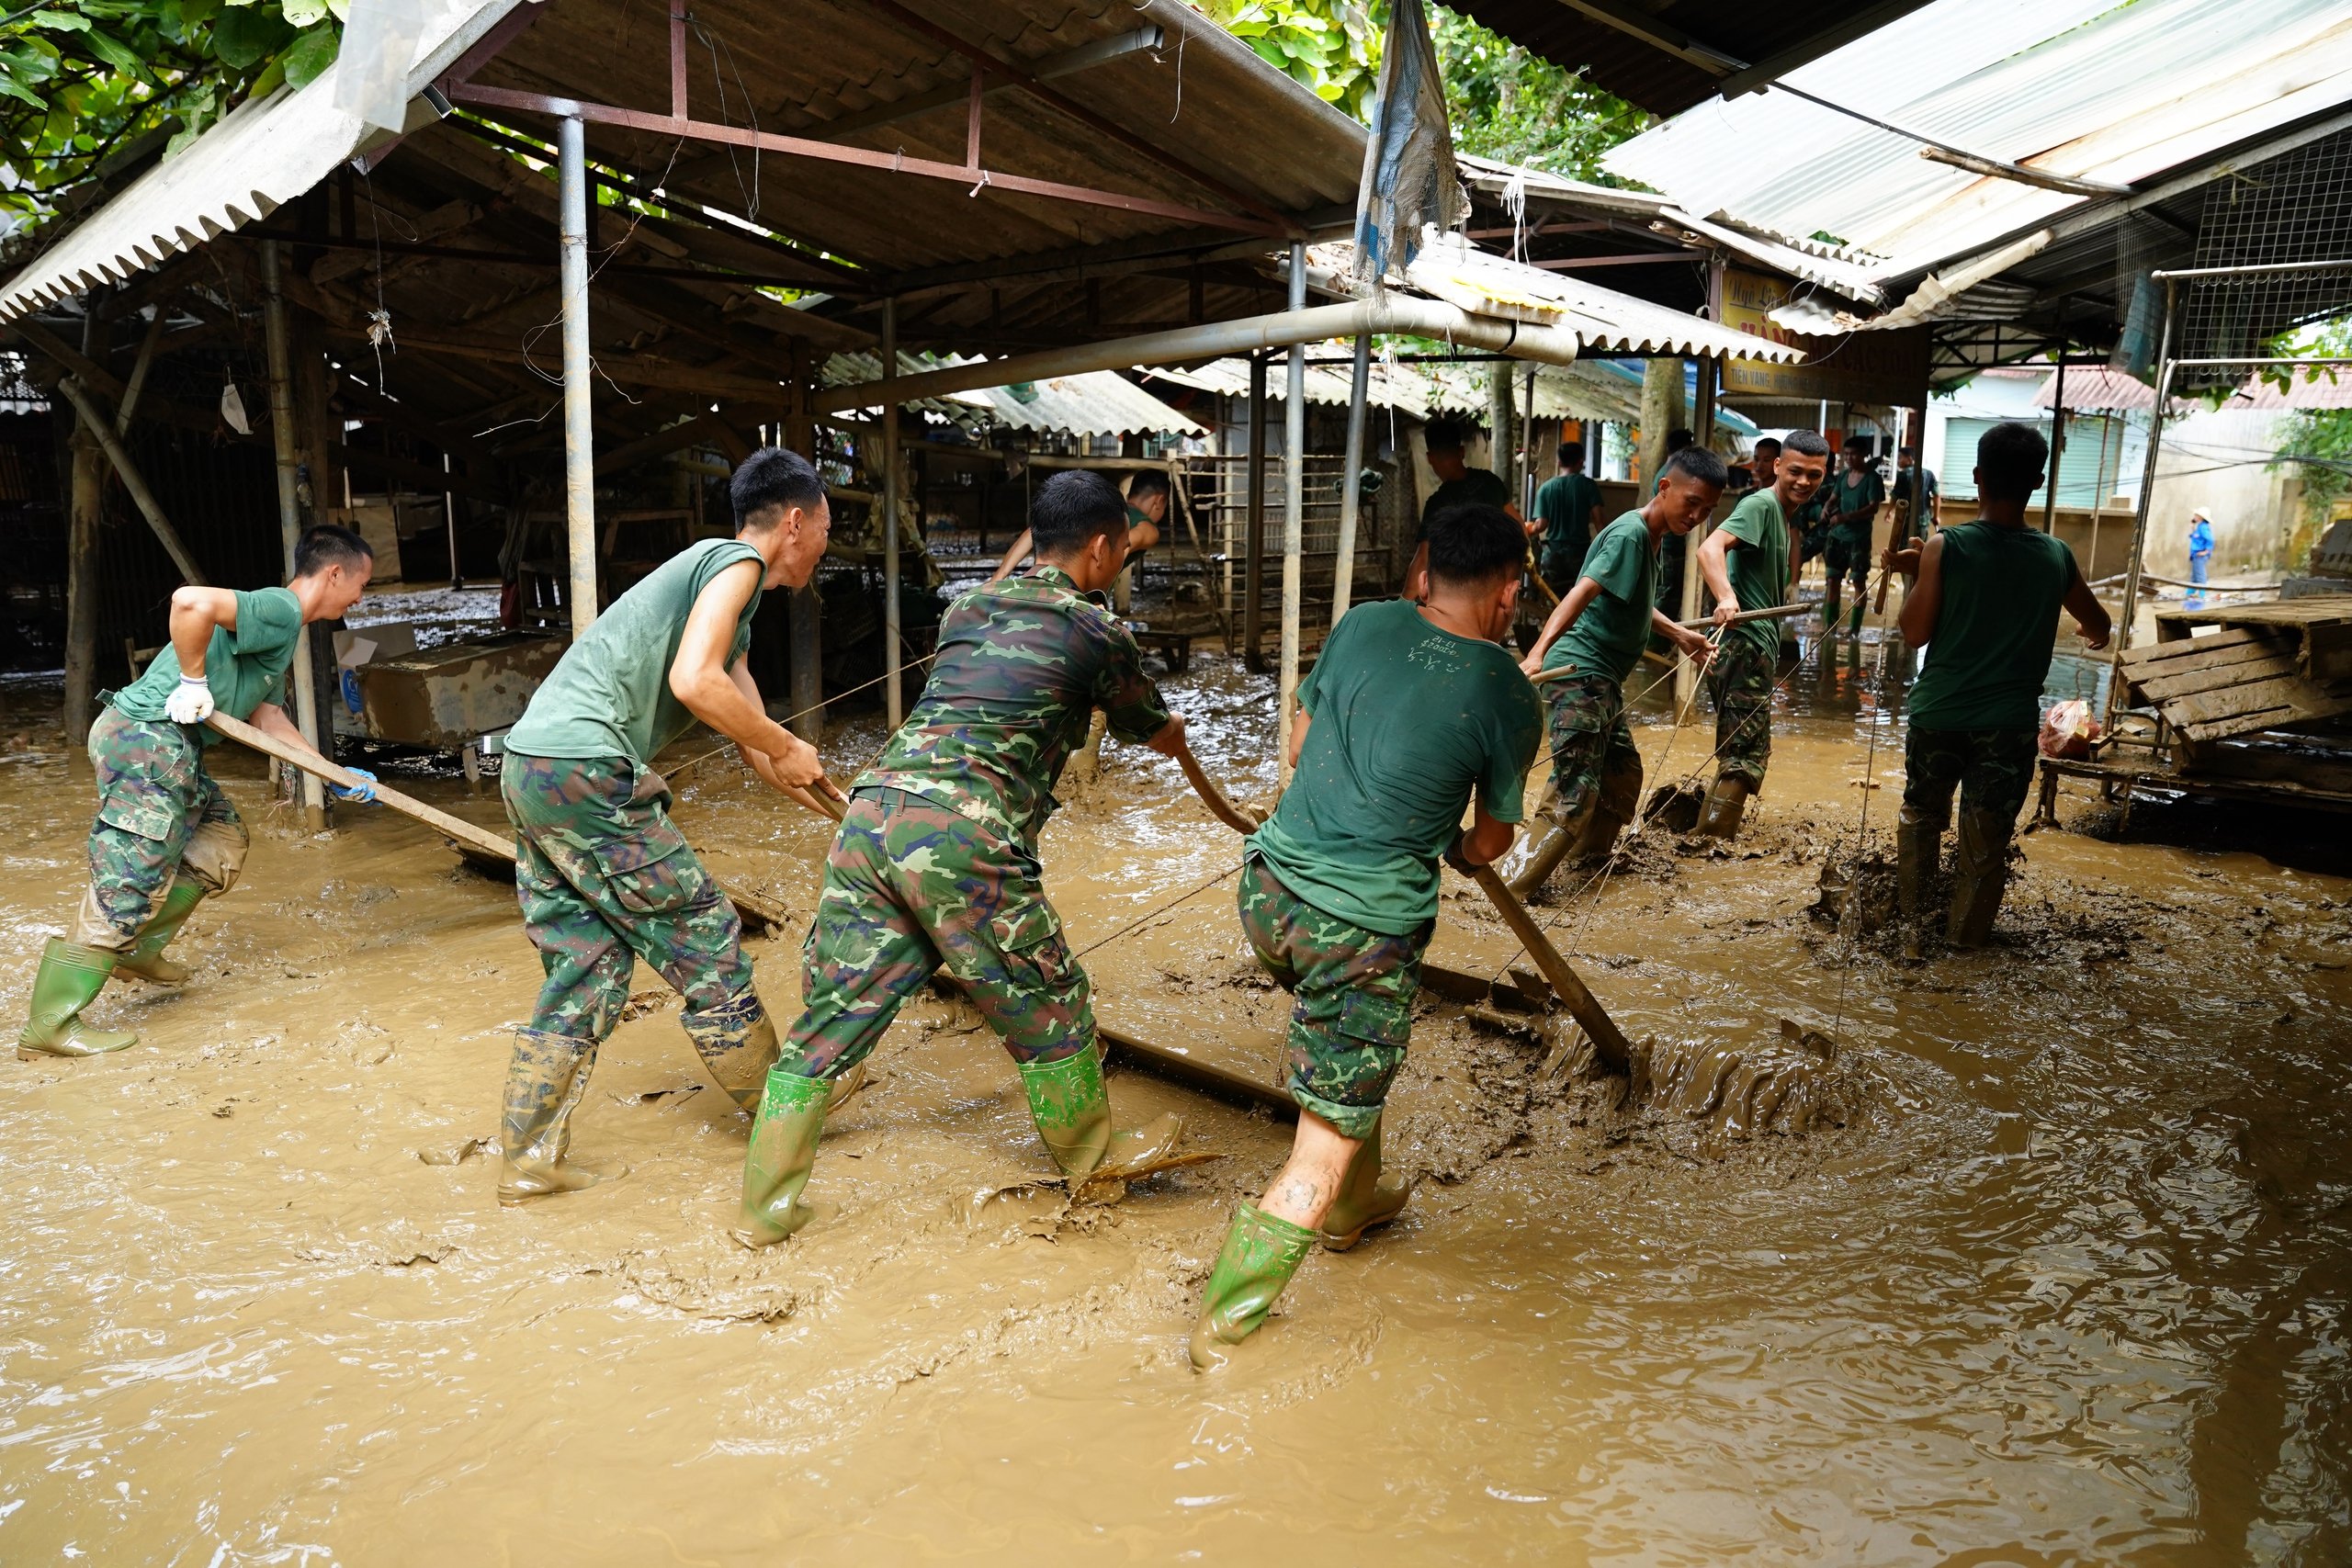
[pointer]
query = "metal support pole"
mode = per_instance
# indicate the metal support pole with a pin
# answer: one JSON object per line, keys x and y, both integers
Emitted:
{"x": 1294, "y": 513}
{"x": 579, "y": 426}
{"x": 2147, "y": 498}
{"x": 449, "y": 522}
{"x": 1343, "y": 570}
{"x": 289, "y": 516}
{"x": 2057, "y": 448}
{"x": 893, "y": 700}
{"x": 1253, "y": 575}
{"x": 84, "y": 500}
{"x": 1702, "y": 428}
{"x": 803, "y": 610}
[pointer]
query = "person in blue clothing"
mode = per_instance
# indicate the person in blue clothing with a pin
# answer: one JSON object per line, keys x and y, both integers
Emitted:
{"x": 2201, "y": 555}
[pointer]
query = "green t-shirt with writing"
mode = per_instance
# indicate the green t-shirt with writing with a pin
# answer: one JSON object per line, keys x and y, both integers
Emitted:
{"x": 1759, "y": 565}
{"x": 1996, "y": 625}
{"x": 1565, "y": 503}
{"x": 1476, "y": 485}
{"x": 243, "y": 666}
{"x": 1407, "y": 719}
{"x": 610, "y": 696}
{"x": 1607, "y": 635}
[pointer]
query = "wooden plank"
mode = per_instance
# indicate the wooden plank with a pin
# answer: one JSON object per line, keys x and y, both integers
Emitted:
{"x": 2189, "y": 647}
{"x": 2220, "y": 659}
{"x": 2289, "y": 693}
{"x": 2268, "y": 666}
{"x": 2327, "y": 652}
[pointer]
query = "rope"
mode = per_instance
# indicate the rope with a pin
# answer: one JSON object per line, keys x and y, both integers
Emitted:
{"x": 1161, "y": 909}
{"x": 693, "y": 762}
{"x": 1849, "y": 919}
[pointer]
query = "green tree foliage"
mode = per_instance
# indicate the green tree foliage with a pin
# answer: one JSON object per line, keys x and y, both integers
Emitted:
{"x": 1332, "y": 47}
{"x": 81, "y": 79}
{"x": 1507, "y": 103}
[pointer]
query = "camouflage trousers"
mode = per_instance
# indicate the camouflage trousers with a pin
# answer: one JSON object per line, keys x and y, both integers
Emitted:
{"x": 1353, "y": 1015}
{"x": 1846, "y": 552}
{"x": 605, "y": 879}
{"x": 910, "y": 886}
{"x": 161, "y": 817}
{"x": 1742, "y": 682}
{"x": 1991, "y": 769}
{"x": 1592, "y": 745}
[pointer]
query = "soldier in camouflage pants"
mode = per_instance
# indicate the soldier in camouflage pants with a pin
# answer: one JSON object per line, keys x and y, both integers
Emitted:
{"x": 605, "y": 879}
{"x": 1743, "y": 685}
{"x": 1596, "y": 768}
{"x": 910, "y": 886}
{"x": 1355, "y": 988}
{"x": 161, "y": 818}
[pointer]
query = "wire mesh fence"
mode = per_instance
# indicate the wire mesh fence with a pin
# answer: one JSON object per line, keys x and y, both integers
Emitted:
{"x": 2274, "y": 253}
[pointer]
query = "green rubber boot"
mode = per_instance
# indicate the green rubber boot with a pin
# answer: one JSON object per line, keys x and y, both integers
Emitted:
{"x": 1259, "y": 1256}
{"x": 1726, "y": 803}
{"x": 1367, "y": 1198}
{"x": 1072, "y": 1110}
{"x": 1980, "y": 874}
{"x": 70, "y": 979}
{"x": 145, "y": 959}
{"x": 782, "y": 1153}
{"x": 1854, "y": 622}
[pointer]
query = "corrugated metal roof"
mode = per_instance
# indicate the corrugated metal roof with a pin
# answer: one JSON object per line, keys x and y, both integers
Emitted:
{"x": 1100, "y": 403}
{"x": 2085, "y": 88}
{"x": 1596, "y": 389}
{"x": 2095, "y": 389}
{"x": 263, "y": 154}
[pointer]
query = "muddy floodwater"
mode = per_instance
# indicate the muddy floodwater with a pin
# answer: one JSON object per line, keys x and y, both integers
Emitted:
{"x": 2069, "y": 1285}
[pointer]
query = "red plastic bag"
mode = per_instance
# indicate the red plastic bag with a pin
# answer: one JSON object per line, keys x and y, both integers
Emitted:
{"x": 2068, "y": 729}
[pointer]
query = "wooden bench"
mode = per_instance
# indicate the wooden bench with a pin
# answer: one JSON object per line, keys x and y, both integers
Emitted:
{"x": 1175, "y": 647}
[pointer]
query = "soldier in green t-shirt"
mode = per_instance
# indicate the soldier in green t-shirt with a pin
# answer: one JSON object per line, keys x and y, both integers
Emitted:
{"x": 1594, "y": 638}
{"x": 1459, "y": 484}
{"x": 165, "y": 835}
{"x": 936, "y": 861}
{"x": 1568, "y": 516}
{"x": 1984, "y": 605}
{"x": 1848, "y": 510}
{"x": 1411, "y": 710}
{"x": 604, "y": 876}
{"x": 1748, "y": 565}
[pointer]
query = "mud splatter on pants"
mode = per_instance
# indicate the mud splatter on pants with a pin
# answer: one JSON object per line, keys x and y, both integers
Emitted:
{"x": 160, "y": 816}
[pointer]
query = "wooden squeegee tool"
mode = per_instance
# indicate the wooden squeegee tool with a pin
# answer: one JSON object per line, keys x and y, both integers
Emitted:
{"x": 759, "y": 913}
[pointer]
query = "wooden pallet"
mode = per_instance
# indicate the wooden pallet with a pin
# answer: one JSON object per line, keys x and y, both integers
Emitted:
{"x": 2268, "y": 666}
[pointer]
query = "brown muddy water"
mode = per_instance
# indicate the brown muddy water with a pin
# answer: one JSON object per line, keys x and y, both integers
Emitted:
{"x": 2070, "y": 1285}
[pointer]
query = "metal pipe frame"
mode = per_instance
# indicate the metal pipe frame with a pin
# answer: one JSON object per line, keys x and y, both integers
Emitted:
{"x": 893, "y": 701}
{"x": 1294, "y": 517}
{"x": 2147, "y": 499}
{"x": 1350, "y": 499}
{"x": 579, "y": 359}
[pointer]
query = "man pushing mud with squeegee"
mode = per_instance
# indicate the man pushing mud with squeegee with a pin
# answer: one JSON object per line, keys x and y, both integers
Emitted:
{"x": 1595, "y": 637}
{"x": 166, "y": 838}
{"x": 1409, "y": 710}
{"x": 604, "y": 878}
{"x": 936, "y": 861}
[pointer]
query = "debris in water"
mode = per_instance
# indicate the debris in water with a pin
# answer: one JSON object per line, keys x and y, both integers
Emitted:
{"x": 457, "y": 1152}
{"x": 1785, "y": 1084}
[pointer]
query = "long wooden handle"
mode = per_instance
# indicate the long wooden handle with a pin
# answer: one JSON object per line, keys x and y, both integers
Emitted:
{"x": 455, "y": 828}
{"x": 758, "y": 912}
{"x": 1582, "y": 1005}
{"x": 1224, "y": 810}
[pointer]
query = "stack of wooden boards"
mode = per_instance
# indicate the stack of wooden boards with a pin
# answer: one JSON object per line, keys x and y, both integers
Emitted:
{"x": 2267, "y": 666}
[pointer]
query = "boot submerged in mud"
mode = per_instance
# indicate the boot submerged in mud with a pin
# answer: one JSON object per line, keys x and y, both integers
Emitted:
{"x": 1367, "y": 1197}
{"x": 781, "y": 1153}
{"x": 1980, "y": 874}
{"x": 1725, "y": 805}
{"x": 1073, "y": 1108}
{"x": 546, "y": 1080}
{"x": 1532, "y": 863}
{"x": 736, "y": 1041}
{"x": 145, "y": 958}
{"x": 69, "y": 978}
{"x": 1259, "y": 1256}
{"x": 1917, "y": 847}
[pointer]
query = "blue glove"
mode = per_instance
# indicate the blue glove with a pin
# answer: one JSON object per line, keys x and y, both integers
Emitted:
{"x": 364, "y": 794}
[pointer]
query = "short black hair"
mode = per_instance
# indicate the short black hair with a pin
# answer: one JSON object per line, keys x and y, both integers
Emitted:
{"x": 1474, "y": 544}
{"x": 773, "y": 477}
{"x": 1805, "y": 444}
{"x": 1769, "y": 446}
{"x": 1906, "y": 451}
{"x": 1571, "y": 454}
{"x": 1444, "y": 435}
{"x": 1148, "y": 481}
{"x": 2010, "y": 461}
{"x": 1678, "y": 438}
{"x": 327, "y": 546}
{"x": 1071, "y": 508}
{"x": 1700, "y": 464}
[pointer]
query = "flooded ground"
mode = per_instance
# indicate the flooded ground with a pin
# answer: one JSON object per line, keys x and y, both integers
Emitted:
{"x": 2070, "y": 1286}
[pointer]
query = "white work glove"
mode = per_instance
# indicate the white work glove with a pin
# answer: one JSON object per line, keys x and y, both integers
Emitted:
{"x": 190, "y": 702}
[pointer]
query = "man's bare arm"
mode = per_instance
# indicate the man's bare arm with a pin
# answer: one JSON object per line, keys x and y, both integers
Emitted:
{"x": 700, "y": 679}
{"x": 1022, "y": 549}
{"x": 773, "y": 770}
{"x": 2084, "y": 605}
{"x": 1917, "y": 621}
{"x": 1583, "y": 592}
{"x": 196, "y": 612}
